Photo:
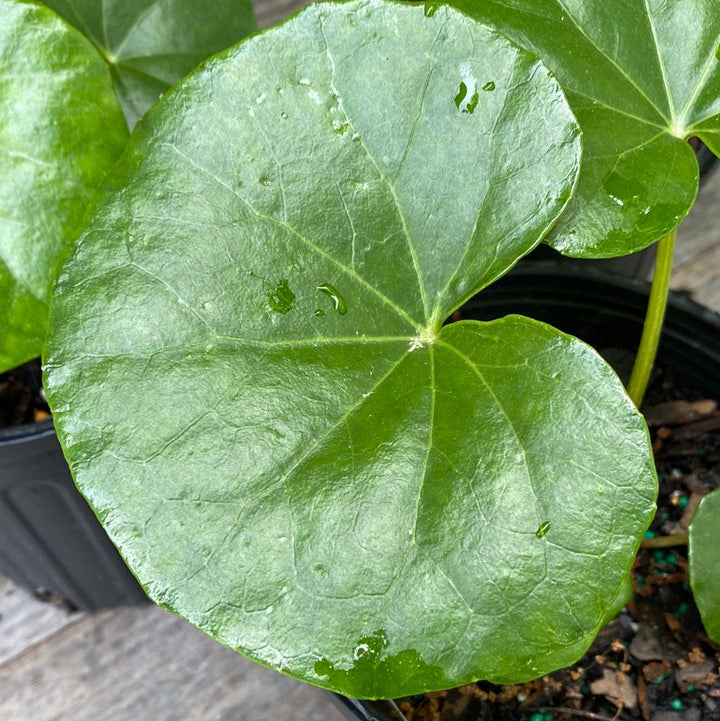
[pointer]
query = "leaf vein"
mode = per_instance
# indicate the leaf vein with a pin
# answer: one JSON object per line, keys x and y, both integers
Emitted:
{"x": 317, "y": 249}
{"x": 391, "y": 187}
{"x": 612, "y": 61}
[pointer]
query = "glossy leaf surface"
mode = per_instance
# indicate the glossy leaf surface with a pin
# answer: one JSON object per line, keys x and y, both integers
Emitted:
{"x": 61, "y": 129}
{"x": 260, "y": 401}
{"x": 641, "y": 77}
{"x": 151, "y": 44}
{"x": 704, "y": 559}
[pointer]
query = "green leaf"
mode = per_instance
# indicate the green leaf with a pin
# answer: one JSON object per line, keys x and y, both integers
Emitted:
{"x": 251, "y": 381}
{"x": 61, "y": 129}
{"x": 150, "y": 44}
{"x": 641, "y": 77}
{"x": 704, "y": 561}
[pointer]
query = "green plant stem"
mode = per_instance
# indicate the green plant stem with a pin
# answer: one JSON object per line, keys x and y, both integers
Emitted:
{"x": 679, "y": 539}
{"x": 654, "y": 317}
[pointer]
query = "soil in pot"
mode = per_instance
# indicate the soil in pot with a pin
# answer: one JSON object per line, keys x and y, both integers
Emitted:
{"x": 22, "y": 399}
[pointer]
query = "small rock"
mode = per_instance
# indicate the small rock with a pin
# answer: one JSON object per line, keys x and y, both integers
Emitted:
{"x": 694, "y": 673}
{"x": 617, "y": 687}
{"x": 648, "y": 644}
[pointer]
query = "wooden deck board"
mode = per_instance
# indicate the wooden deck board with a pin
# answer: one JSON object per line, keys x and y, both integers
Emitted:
{"x": 26, "y": 622}
{"x": 269, "y": 12}
{"x": 700, "y": 231}
{"x": 144, "y": 664}
{"x": 697, "y": 258}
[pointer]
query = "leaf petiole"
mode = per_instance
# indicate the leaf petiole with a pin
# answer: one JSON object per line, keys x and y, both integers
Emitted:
{"x": 652, "y": 329}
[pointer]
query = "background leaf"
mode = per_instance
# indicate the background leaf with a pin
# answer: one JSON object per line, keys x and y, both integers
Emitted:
{"x": 704, "y": 560}
{"x": 257, "y": 396}
{"x": 61, "y": 129}
{"x": 641, "y": 77}
{"x": 150, "y": 44}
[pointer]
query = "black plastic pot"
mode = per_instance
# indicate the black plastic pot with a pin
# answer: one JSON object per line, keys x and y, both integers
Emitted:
{"x": 606, "y": 311}
{"x": 50, "y": 541}
{"x": 706, "y": 160}
{"x": 363, "y": 710}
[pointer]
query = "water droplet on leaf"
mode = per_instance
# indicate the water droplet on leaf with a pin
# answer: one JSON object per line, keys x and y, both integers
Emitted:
{"x": 284, "y": 116}
{"x": 324, "y": 667}
{"x": 338, "y": 301}
{"x": 467, "y": 96}
{"x": 280, "y": 298}
{"x": 370, "y": 648}
{"x": 361, "y": 651}
{"x": 461, "y": 95}
{"x": 626, "y": 192}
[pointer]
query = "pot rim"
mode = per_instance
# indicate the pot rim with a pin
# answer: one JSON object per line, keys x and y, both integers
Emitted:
{"x": 26, "y": 433}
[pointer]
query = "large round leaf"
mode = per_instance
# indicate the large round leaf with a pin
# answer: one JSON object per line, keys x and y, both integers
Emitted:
{"x": 61, "y": 129}
{"x": 641, "y": 77}
{"x": 254, "y": 390}
{"x": 704, "y": 558}
{"x": 151, "y": 44}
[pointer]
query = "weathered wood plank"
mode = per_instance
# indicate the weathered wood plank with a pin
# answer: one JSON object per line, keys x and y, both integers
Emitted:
{"x": 144, "y": 664}
{"x": 700, "y": 231}
{"x": 269, "y": 12}
{"x": 701, "y": 276}
{"x": 26, "y": 622}
{"x": 697, "y": 257}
